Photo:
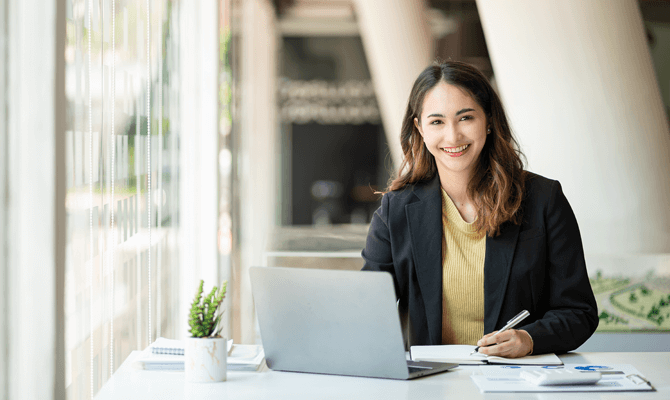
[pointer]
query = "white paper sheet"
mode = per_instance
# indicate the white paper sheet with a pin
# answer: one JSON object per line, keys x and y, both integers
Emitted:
{"x": 616, "y": 378}
{"x": 460, "y": 353}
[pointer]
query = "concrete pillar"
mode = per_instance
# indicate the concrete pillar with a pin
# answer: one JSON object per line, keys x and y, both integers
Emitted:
{"x": 578, "y": 82}
{"x": 34, "y": 229}
{"x": 398, "y": 46}
{"x": 257, "y": 155}
{"x": 198, "y": 141}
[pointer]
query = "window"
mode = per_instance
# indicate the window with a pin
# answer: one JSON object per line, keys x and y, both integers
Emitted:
{"x": 124, "y": 149}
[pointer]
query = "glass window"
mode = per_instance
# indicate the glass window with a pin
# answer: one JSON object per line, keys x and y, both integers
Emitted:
{"x": 122, "y": 160}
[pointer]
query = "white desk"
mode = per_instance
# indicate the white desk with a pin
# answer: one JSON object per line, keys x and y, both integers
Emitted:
{"x": 128, "y": 383}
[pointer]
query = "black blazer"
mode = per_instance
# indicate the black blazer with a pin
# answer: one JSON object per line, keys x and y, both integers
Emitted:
{"x": 536, "y": 266}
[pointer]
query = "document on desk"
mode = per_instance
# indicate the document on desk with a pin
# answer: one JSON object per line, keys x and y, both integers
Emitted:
{"x": 246, "y": 357}
{"x": 460, "y": 353}
{"x": 241, "y": 357}
{"x": 506, "y": 378}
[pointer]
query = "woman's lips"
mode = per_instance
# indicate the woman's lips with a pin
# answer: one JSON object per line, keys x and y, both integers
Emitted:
{"x": 456, "y": 151}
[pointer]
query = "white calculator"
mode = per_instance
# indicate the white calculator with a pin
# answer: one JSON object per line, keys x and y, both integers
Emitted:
{"x": 560, "y": 377}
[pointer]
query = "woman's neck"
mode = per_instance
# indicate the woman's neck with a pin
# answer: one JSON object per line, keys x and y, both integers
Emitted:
{"x": 456, "y": 186}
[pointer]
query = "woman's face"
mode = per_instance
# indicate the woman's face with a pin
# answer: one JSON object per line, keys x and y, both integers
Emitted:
{"x": 454, "y": 129}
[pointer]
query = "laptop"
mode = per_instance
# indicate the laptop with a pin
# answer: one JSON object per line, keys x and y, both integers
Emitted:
{"x": 333, "y": 322}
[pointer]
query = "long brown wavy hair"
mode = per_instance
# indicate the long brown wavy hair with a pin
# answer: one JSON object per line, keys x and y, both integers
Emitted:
{"x": 498, "y": 183}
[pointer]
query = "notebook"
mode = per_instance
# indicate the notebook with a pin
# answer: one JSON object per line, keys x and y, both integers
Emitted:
{"x": 167, "y": 346}
{"x": 168, "y": 355}
{"x": 460, "y": 353}
{"x": 333, "y": 322}
{"x": 175, "y": 347}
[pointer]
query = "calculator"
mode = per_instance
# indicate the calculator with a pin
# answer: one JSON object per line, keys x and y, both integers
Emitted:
{"x": 560, "y": 377}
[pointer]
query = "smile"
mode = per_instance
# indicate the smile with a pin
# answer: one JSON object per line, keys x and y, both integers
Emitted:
{"x": 455, "y": 150}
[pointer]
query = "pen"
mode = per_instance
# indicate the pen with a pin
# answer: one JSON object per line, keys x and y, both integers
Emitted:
{"x": 510, "y": 324}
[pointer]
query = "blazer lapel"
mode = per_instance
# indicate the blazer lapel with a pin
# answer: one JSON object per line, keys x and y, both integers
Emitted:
{"x": 425, "y": 222}
{"x": 497, "y": 267}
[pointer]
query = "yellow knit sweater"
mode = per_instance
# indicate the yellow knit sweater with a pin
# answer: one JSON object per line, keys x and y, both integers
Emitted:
{"x": 463, "y": 250}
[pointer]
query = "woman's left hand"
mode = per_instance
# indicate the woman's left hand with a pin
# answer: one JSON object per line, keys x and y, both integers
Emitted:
{"x": 512, "y": 343}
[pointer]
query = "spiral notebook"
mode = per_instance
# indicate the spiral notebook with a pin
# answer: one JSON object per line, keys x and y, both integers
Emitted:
{"x": 174, "y": 347}
{"x": 168, "y": 355}
{"x": 168, "y": 346}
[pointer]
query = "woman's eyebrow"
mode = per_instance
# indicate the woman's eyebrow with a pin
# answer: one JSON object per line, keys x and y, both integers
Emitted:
{"x": 464, "y": 111}
{"x": 457, "y": 113}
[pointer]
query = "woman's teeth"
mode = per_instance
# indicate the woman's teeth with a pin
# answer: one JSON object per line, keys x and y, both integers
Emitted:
{"x": 456, "y": 149}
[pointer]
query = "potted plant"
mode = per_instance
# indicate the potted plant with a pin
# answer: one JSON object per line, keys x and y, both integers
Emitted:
{"x": 205, "y": 352}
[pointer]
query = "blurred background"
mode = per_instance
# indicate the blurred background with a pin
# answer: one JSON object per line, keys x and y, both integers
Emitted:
{"x": 205, "y": 137}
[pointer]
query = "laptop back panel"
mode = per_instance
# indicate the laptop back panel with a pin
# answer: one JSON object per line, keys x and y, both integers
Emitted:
{"x": 330, "y": 322}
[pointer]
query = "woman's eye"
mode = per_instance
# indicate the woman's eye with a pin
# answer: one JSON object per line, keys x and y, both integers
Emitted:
{"x": 466, "y": 117}
{"x": 435, "y": 122}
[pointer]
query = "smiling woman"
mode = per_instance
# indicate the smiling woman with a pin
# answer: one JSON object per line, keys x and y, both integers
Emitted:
{"x": 454, "y": 132}
{"x": 469, "y": 237}
{"x": 453, "y": 105}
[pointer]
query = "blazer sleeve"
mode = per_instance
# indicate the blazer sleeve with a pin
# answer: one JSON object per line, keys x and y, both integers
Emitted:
{"x": 572, "y": 313}
{"x": 377, "y": 253}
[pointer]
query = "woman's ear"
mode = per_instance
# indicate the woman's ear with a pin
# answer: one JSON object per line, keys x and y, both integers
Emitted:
{"x": 418, "y": 127}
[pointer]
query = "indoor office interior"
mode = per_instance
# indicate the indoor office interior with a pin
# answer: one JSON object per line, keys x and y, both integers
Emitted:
{"x": 147, "y": 145}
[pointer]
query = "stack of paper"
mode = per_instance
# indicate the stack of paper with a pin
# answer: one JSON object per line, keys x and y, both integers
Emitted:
{"x": 150, "y": 360}
{"x": 246, "y": 357}
{"x": 240, "y": 357}
{"x": 615, "y": 378}
{"x": 460, "y": 354}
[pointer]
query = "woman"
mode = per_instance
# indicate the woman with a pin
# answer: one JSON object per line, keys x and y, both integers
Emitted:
{"x": 470, "y": 238}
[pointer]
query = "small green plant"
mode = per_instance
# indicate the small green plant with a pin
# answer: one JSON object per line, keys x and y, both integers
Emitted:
{"x": 204, "y": 318}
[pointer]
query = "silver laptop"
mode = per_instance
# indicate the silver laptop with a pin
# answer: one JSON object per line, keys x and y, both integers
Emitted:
{"x": 333, "y": 322}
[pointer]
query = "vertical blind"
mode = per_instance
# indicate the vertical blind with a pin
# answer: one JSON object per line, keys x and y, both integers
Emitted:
{"x": 122, "y": 152}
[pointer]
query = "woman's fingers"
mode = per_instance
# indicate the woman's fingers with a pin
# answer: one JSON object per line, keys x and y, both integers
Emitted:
{"x": 487, "y": 339}
{"x": 511, "y": 344}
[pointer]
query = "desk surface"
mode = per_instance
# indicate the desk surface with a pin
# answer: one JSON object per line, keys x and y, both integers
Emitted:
{"x": 128, "y": 383}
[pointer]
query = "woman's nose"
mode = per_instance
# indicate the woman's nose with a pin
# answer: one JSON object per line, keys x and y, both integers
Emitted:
{"x": 451, "y": 132}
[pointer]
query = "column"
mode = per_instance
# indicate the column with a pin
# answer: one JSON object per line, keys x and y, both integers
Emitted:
{"x": 33, "y": 228}
{"x": 578, "y": 83}
{"x": 198, "y": 141}
{"x": 398, "y": 46}
{"x": 256, "y": 157}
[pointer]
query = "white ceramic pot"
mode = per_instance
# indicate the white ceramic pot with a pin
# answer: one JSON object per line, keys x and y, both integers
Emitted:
{"x": 205, "y": 359}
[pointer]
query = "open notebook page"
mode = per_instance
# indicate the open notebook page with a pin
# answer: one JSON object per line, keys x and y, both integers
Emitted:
{"x": 460, "y": 353}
